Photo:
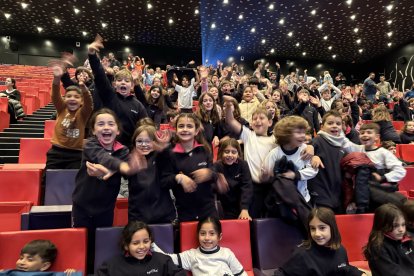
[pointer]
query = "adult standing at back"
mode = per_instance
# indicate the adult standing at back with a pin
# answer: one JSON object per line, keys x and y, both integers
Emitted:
{"x": 370, "y": 88}
{"x": 113, "y": 61}
{"x": 385, "y": 89}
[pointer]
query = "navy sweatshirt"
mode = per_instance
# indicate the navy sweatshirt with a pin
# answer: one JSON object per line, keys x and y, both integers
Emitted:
{"x": 318, "y": 261}
{"x": 93, "y": 195}
{"x": 325, "y": 187}
{"x": 128, "y": 109}
{"x": 240, "y": 191}
{"x": 156, "y": 264}
{"x": 148, "y": 201}
{"x": 195, "y": 205}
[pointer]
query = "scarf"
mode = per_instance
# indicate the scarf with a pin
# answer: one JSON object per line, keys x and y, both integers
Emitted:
{"x": 337, "y": 141}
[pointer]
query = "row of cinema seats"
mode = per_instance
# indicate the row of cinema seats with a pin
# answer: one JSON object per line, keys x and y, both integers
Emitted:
{"x": 264, "y": 244}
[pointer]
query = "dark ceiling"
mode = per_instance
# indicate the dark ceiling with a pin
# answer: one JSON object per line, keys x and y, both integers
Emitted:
{"x": 193, "y": 20}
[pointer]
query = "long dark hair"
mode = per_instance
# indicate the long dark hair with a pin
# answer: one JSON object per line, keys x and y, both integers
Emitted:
{"x": 130, "y": 229}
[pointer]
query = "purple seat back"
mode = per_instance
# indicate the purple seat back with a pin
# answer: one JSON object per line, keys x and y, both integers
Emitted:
{"x": 273, "y": 242}
{"x": 59, "y": 187}
{"x": 107, "y": 241}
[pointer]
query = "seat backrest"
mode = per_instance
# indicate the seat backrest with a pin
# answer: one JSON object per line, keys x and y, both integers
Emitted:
{"x": 406, "y": 152}
{"x": 407, "y": 183}
{"x": 273, "y": 242}
{"x": 49, "y": 128}
{"x": 33, "y": 150}
{"x": 398, "y": 125}
{"x": 10, "y": 214}
{"x": 236, "y": 236}
{"x": 121, "y": 212}
{"x": 107, "y": 241}
{"x": 355, "y": 231}
{"x": 70, "y": 243}
{"x": 48, "y": 217}
{"x": 59, "y": 186}
{"x": 20, "y": 185}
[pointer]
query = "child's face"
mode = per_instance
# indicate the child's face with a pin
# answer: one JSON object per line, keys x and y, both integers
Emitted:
{"x": 208, "y": 236}
{"x": 73, "y": 100}
{"x": 260, "y": 124}
{"x": 368, "y": 137}
{"x": 247, "y": 94}
{"x": 320, "y": 232}
{"x": 326, "y": 95}
{"x": 308, "y": 139}
{"x": 144, "y": 143}
{"x": 140, "y": 244}
{"x": 398, "y": 229}
{"x": 230, "y": 155}
{"x": 276, "y": 97}
{"x": 105, "y": 129}
{"x": 298, "y": 137}
{"x": 28, "y": 262}
{"x": 156, "y": 81}
{"x": 226, "y": 88}
{"x": 186, "y": 130}
{"x": 155, "y": 93}
{"x": 303, "y": 97}
{"x": 270, "y": 107}
{"x": 332, "y": 125}
{"x": 208, "y": 103}
{"x": 185, "y": 82}
{"x": 393, "y": 149}
{"x": 214, "y": 92}
{"x": 410, "y": 127}
{"x": 123, "y": 85}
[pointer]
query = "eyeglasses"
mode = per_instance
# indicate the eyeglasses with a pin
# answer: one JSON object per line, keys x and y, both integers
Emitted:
{"x": 142, "y": 142}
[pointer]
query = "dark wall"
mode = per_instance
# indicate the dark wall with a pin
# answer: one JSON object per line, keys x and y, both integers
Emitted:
{"x": 37, "y": 51}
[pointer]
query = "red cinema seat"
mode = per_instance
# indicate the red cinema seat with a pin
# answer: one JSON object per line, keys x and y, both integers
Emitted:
{"x": 70, "y": 243}
{"x": 49, "y": 128}
{"x": 33, "y": 150}
{"x": 355, "y": 231}
{"x": 398, "y": 125}
{"x": 407, "y": 183}
{"x": 20, "y": 185}
{"x": 236, "y": 236}
{"x": 10, "y": 214}
{"x": 406, "y": 152}
{"x": 121, "y": 212}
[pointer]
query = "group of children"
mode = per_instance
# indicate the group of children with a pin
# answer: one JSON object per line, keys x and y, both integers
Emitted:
{"x": 171, "y": 177}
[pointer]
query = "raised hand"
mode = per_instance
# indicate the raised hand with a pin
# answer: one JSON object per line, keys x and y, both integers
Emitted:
{"x": 96, "y": 45}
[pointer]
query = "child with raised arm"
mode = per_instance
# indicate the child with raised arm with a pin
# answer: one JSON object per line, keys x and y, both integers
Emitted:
{"x": 73, "y": 112}
{"x": 185, "y": 92}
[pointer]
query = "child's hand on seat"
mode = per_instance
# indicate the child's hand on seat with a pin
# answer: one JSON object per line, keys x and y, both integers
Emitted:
{"x": 244, "y": 214}
{"x": 69, "y": 271}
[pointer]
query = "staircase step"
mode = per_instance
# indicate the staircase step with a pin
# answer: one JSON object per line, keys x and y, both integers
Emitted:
{"x": 9, "y": 152}
{"x": 33, "y": 119}
{"x": 9, "y": 145}
{"x": 43, "y": 112}
{"x": 24, "y": 125}
{"x": 21, "y": 134}
{"x": 24, "y": 130}
{"x": 10, "y": 140}
{"x": 9, "y": 159}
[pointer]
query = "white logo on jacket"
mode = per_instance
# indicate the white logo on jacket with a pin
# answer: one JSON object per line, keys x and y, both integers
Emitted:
{"x": 154, "y": 270}
{"x": 202, "y": 164}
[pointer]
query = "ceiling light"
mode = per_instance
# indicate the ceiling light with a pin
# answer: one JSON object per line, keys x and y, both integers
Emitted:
{"x": 360, "y": 50}
{"x": 7, "y": 15}
{"x": 196, "y": 11}
{"x": 290, "y": 34}
{"x": 313, "y": 12}
{"x": 297, "y": 44}
{"x": 225, "y": 1}
{"x": 325, "y": 37}
{"x": 213, "y": 25}
{"x": 127, "y": 50}
{"x": 319, "y": 26}
{"x": 231, "y": 59}
{"x": 126, "y": 37}
{"x": 24, "y": 5}
{"x": 253, "y": 30}
{"x": 104, "y": 25}
{"x": 330, "y": 48}
{"x": 57, "y": 20}
{"x": 349, "y": 2}
{"x": 319, "y": 65}
{"x": 271, "y": 7}
{"x": 281, "y": 21}
{"x": 389, "y": 22}
{"x": 76, "y": 10}
{"x": 356, "y": 30}
{"x": 353, "y": 17}
{"x": 304, "y": 54}
{"x": 389, "y": 34}
{"x": 149, "y": 6}
{"x": 389, "y": 7}
{"x": 238, "y": 48}
{"x": 389, "y": 44}
{"x": 98, "y": 1}
{"x": 39, "y": 29}
{"x": 241, "y": 16}
{"x": 48, "y": 43}
{"x": 227, "y": 37}
{"x": 263, "y": 41}
{"x": 84, "y": 33}
{"x": 272, "y": 50}
{"x": 333, "y": 56}
{"x": 358, "y": 41}
{"x": 170, "y": 21}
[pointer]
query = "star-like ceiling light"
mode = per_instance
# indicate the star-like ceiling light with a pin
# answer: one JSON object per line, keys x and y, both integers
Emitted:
{"x": 334, "y": 56}
{"x": 353, "y": 17}
{"x": 104, "y": 25}
{"x": 356, "y": 30}
{"x": 319, "y": 26}
{"x": 227, "y": 37}
{"x": 389, "y": 44}
{"x": 349, "y": 2}
{"x": 358, "y": 41}
{"x": 57, "y": 20}
{"x": 231, "y": 59}
{"x": 272, "y": 50}
{"x": 325, "y": 37}
{"x": 313, "y": 12}
{"x": 24, "y": 5}
{"x": 196, "y": 11}
{"x": 170, "y": 21}
{"x": 225, "y": 1}
{"x": 76, "y": 10}
{"x": 290, "y": 34}
{"x": 330, "y": 48}
{"x": 149, "y": 6}
{"x": 241, "y": 16}
{"x": 389, "y": 7}
{"x": 213, "y": 25}
{"x": 263, "y": 41}
{"x": 253, "y": 30}
{"x": 304, "y": 54}
{"x": 39, "y": 29}
{"x": 271, "y": 7}
{"x": 84, "y": 33}
{"x": 389, "y": 22}
{"x": 126, "y": 37}
{"x": 297, "y": 44}
{"x": 7, "y": 15}
{"x": 360, "y": 50}
{"x": 238, "y": 48}
{"x": 282, "y": 21}
{"x": 389, "y": 34}
{"x": 98, "y": 1}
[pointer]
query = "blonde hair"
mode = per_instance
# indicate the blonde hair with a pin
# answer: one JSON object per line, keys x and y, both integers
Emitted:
{"x": 284, "y": 128}
{"x": 123, "y": 74}
{"x": 380, "y": 114}
{"x": 277, "y": 111}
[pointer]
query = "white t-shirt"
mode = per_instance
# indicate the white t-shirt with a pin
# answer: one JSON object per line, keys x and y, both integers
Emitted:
{"x": 185, "y": 95}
